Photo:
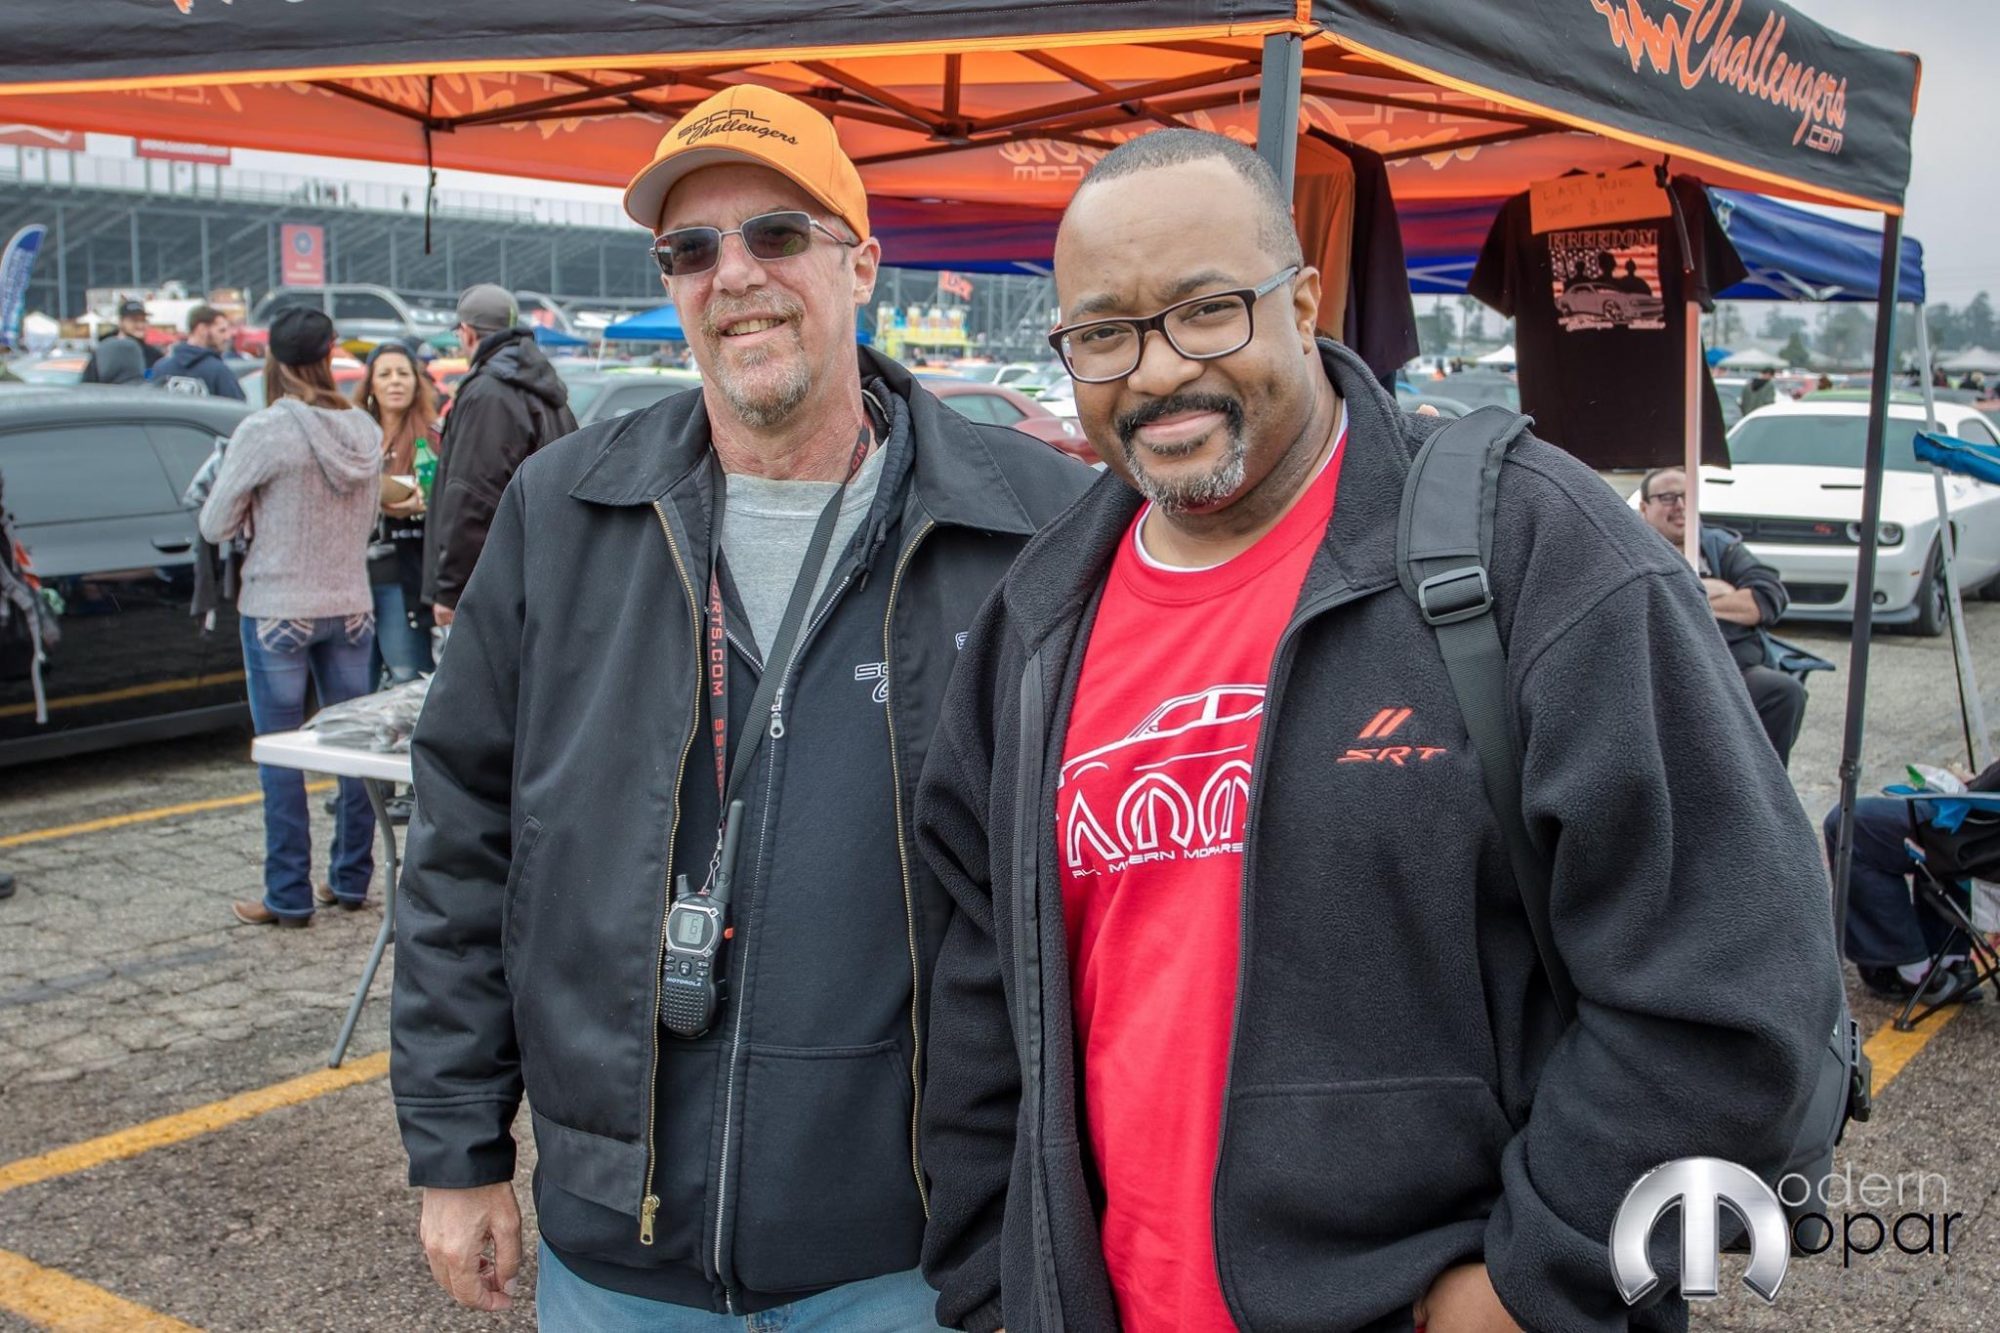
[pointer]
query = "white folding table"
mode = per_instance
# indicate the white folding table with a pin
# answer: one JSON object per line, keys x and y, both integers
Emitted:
{"x": 379, "y": 772}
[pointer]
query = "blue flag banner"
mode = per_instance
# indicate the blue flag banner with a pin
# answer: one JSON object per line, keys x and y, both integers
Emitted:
{"x": 16, "y": 262}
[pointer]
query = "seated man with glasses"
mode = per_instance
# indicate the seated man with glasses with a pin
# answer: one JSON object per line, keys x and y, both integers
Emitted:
{"x": 1239, "y": 1022}
{"x": 1746, "y": 596}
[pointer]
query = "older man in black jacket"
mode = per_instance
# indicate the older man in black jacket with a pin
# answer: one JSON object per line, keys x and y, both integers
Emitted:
{"x": 510, "y": 403}
{"x": 1745, "y": 594}
{"x": 779, "y": 566}
{"x": 1241, "y": 1021}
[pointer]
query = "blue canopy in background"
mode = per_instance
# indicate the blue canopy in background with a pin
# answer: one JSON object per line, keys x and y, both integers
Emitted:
{"x": 1792, "y": 254}
{"x": 1796, "y": 255}
{"x": 549, "y": 336}
{"x": 661, "y": 324}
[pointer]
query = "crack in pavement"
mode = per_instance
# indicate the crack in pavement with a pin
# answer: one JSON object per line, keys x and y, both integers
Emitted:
{"x": 76, "y": 981}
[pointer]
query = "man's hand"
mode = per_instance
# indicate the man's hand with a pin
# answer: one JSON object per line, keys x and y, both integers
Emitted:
{"x": 1462, "y": 1301}
{"x": 472, "y": 1238}
{"x": 442, "y": 615}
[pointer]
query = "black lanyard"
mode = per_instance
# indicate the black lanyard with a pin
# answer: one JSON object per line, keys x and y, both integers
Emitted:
{"x": 729, "y": 777}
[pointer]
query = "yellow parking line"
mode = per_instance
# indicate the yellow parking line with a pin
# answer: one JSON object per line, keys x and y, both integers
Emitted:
{"x": 144, "y": 816}
{"x": 127, "y": 692}
{"x": 58, "y": 1301}
{"x": 1889, "y": 1050}
{"x": 173, "y": 1129}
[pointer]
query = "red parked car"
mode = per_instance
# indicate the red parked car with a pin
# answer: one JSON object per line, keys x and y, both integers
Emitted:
{"x": 998, "y": 405}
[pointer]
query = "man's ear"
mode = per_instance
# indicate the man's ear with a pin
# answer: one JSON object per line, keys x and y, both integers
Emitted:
{"x": 867, "y": 265}
{"x": 1305, "y": 308}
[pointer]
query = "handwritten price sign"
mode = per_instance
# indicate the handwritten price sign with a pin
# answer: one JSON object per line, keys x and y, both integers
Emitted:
{"x": 1593, "y": 201}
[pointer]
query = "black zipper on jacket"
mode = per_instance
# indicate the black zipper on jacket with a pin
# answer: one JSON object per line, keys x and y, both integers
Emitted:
{"x": 739, "y": 1002}
{"x": 903, "y": 859}
{"x": 649, "y": 1203}
{"x": 1274, "y": 689}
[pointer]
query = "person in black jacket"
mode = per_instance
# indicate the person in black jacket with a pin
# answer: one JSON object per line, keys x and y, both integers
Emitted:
{"x": 1328, "y": 1088}
{"x": 123, "y": 356}
{"x": 196, "y": 366}
{"x": 1746, "y": 596}
{"x": 634, "y": 644}
{"x": 510, "y": 403}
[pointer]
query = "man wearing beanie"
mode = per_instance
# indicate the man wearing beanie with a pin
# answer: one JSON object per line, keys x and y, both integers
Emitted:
{"x": 674, "y": 740}
{"x": 510, "y": 403}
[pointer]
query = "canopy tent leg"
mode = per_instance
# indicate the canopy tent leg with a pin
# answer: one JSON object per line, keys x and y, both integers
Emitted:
{"x": 1691, "y": 420}
{"x": 1864, "y": 574}
{"x": 1971, "y": 709}
{"x": 1278, "y": 105}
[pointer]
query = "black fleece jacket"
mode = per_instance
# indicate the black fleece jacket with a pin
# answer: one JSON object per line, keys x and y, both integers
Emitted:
{"x": 1400, "y": 1096}
{"x": 511, "y": 403}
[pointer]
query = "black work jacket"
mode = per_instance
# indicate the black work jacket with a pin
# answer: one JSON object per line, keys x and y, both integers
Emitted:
{"x": 564, "y": 777}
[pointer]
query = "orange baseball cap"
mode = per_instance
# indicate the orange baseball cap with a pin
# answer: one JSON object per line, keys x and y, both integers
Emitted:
{"x": 751, "y": 123}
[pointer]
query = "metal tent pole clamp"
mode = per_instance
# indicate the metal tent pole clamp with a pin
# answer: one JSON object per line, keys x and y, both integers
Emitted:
{"x": 1864, "y": 574}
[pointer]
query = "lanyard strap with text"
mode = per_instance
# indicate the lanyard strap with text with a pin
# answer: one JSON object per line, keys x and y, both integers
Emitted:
{"x": 729, "y": 777}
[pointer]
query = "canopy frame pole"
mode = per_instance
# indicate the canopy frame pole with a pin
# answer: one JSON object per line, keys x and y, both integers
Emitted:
{"x": 1693, "y": 410}
{"x": 1278, "y": 105}
{"x": 1864, "y": 574}
{"x": 1691, "y": 432}
{"x": 1971, "y": 709}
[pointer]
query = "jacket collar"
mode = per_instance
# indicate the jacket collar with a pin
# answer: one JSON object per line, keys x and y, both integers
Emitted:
{"x": 1061, "y": 569}
{"x": 958, "y": 481}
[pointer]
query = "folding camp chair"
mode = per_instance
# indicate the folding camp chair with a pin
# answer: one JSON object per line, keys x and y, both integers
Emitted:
{"x": 1791, "y": 659}
{"x": 1946, "y": 856}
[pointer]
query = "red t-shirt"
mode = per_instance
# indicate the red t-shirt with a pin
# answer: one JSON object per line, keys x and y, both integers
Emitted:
{"x": 1150, "y": 816}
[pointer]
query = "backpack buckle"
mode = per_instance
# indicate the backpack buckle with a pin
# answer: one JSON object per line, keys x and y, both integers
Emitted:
{"x": 1455, "y": 595}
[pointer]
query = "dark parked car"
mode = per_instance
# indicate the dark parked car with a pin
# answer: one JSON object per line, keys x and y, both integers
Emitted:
{"x": 1477, "y": 388}
{"x": 599, "y": 395}
{"x": 94, "y": 481}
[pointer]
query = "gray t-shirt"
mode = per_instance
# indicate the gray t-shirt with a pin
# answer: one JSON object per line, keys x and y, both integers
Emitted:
{"x": 766, "y": 527}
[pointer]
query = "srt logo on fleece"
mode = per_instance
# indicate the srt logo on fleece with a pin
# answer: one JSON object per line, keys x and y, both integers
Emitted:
{"x": 1381, "y": 727}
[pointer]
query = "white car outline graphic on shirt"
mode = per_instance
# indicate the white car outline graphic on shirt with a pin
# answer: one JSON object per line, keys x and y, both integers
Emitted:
{"x": 1155, "y": 808}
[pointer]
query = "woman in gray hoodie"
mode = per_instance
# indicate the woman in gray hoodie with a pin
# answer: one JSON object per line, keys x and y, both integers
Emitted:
{"x": 299, "y": 481}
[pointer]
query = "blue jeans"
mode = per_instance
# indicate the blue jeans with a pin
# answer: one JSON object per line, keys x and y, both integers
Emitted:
{"x": 896, "y": 1303}
{"x": 279, "y": 656}
{"x": 401, "y": 649}
{"x": 1886, "y": 926}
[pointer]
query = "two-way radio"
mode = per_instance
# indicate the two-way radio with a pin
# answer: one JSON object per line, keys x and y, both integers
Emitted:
{"x": 692, "y": 984}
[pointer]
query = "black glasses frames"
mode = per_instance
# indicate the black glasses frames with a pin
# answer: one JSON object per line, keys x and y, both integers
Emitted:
{"x": 1122, "y": 342}
{"x": 686, "y": 251}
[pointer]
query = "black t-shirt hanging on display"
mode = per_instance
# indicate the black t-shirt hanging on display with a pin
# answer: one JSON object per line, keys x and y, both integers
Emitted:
{"x": 1600, "y": 315}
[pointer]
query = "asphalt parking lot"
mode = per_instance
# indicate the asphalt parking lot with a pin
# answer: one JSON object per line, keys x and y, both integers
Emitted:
{"x": 174, "y": 1153}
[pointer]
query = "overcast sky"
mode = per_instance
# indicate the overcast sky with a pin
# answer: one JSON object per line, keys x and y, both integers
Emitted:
{"x": 1954, "y": 197}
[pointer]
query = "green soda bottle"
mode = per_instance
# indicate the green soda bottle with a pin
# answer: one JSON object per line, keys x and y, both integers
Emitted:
{"x": 426, "y": 467}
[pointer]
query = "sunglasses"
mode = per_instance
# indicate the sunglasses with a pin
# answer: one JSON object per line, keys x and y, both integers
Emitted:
{"x": 768, "y": 236}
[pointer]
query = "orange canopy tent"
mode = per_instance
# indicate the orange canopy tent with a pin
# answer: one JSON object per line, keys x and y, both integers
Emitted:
{"x": 994, "y": 102}
{"x": 1009, "y": 101}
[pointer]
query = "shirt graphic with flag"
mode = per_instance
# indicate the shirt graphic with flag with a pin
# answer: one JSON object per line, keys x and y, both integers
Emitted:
{"x": 1151, "y": 812}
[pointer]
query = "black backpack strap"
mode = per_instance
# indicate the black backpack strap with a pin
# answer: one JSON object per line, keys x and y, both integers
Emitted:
{"x": 1444, "y": 544}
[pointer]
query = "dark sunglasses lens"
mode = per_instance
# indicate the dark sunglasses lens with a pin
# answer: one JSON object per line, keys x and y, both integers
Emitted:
{"x": 778, "y": 235}
{"x": 690, "y": 250}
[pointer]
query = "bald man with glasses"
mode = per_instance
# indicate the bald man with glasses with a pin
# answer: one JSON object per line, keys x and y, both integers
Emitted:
{"x": 1747, "y": 597}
